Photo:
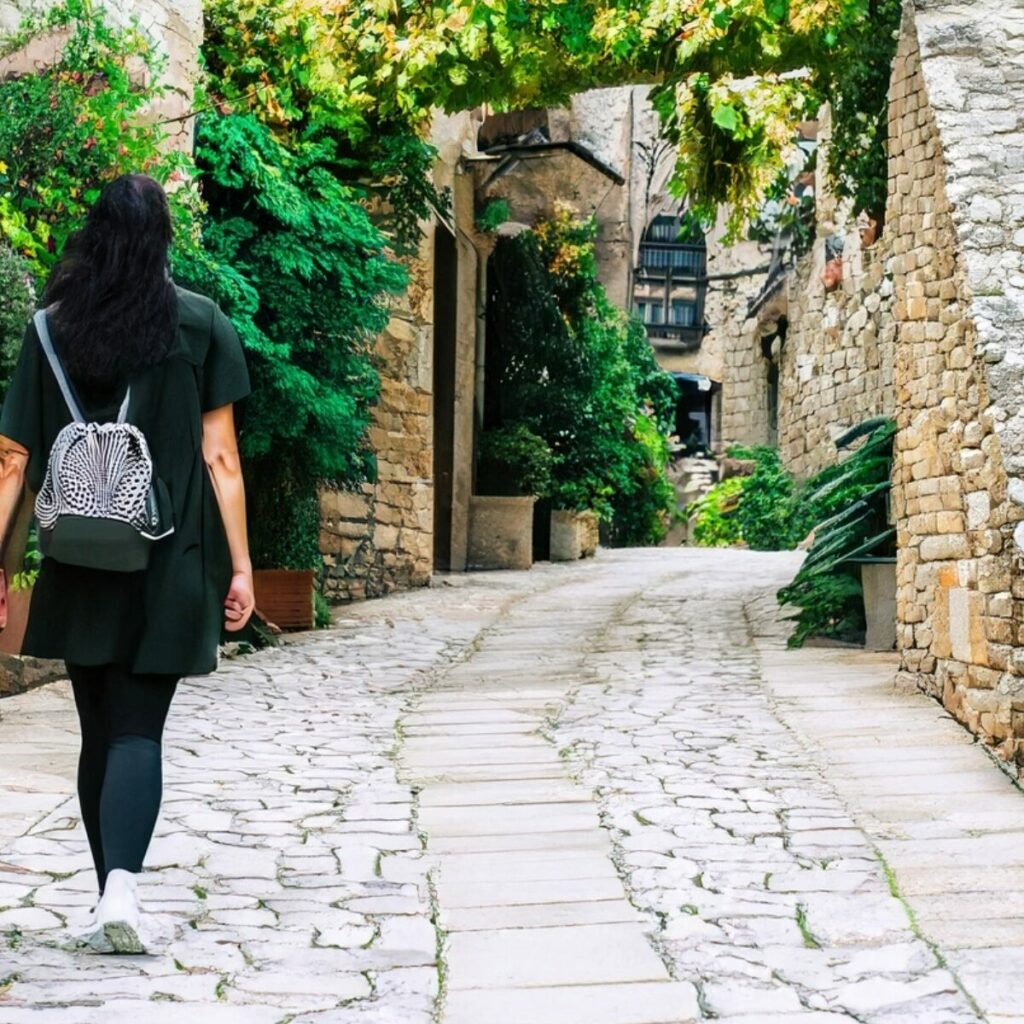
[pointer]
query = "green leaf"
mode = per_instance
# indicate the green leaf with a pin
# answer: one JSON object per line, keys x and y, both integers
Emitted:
{"x": 865, "y": 428}
{"x": 726, "y": 116}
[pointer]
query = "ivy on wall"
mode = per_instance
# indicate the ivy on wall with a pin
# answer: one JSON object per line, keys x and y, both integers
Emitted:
{"x": 294, "y": 260}
{"x": 73, "y": 126}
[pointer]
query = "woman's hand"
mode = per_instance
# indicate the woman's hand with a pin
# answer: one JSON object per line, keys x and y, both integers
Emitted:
{"x": 240, "y": 602}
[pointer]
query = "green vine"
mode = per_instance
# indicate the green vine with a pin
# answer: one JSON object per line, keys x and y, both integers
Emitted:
{"x": 857, "y": 87}
{"x": 73, "y": 126}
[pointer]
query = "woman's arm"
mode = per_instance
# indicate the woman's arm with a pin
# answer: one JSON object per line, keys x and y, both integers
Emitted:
{"x": 13, "y": 463}
{"x": 220, "y": 452}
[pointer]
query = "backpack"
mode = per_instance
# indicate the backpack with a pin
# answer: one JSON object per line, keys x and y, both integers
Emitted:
{"x": 101, "y": 505}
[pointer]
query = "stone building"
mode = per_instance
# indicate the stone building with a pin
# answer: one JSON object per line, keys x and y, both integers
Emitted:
{"x": 415, "y": 518}
{"x": 957, "y": 209}
{"x": 806, "y": 361}
{"x": 925, "y": 325}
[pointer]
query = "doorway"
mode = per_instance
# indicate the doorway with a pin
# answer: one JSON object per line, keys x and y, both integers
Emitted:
{"x": 445, "y": 330}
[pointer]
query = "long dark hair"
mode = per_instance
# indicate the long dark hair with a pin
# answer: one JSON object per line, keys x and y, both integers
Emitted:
{"x": 118, "y": 310}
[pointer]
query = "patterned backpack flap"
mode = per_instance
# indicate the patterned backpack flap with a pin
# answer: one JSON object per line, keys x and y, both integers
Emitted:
{"x": 101, "y": 505}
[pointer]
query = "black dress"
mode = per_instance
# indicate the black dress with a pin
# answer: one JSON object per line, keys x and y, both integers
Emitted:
{"x": 168, "y": 618}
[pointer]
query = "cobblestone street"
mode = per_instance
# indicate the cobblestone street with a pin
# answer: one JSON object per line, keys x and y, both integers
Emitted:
{"x": 595, "y": 794}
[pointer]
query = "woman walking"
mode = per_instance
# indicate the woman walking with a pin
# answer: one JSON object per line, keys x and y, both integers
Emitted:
{"x": 137, "y": 351}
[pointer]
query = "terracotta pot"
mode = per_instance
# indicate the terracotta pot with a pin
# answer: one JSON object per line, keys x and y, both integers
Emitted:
{"x": 284, "y": 597}
{"x": 868, "y": 233}
{"x": 832, "y": 276}
{"x": 13, "y": 636}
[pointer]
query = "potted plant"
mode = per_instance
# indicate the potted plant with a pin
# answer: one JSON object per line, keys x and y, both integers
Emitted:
{"x": 285, "y": 528}
{"x": 513, "y": 470}
{"x": 574, "y": 526}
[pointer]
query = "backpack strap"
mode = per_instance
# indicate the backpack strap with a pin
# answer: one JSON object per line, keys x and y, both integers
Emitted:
{"x": 43, "y": 330}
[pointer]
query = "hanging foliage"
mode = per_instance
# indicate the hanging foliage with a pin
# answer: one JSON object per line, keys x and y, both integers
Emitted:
{"x": 296, "y": 263}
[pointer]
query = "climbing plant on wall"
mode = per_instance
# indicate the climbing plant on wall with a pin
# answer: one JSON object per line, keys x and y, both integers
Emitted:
{"x": 72, "y": 126}
{"x": 295, "y": 261}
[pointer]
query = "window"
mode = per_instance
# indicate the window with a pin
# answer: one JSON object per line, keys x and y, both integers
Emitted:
{"x": 684, "y": 312}
{"x": 655, "y": 313}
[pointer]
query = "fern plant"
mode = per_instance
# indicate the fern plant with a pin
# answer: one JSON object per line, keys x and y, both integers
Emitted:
{"x": 850, "y": 505}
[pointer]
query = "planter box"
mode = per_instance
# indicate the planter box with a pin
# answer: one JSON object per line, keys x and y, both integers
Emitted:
{"x": 878, "y": 580}
{"x": 574, "y": 535}
{"x": 284, "y": 597}
{"x": 11, "y": 638}
{"x": 500, "y": 533}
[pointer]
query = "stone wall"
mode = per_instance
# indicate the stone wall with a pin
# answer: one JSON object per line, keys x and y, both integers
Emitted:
{"x": 956, "y": 211}
{"x": 837, "y": 361}
{"x": 834, "y": 357}
{"x": 381, "y": 537}
{"x": 176, "y": 26}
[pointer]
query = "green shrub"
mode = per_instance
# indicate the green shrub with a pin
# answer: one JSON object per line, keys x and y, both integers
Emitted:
{"x": 769, "y": 517}
{"x": 643, "y": 503}
{"x": 74, "y": 125}
{"x": 495, "y": 213}
{"x": 15, "y": 310}
{"x": 715, "y": 520}
{"x": 322, "y": 618}
{"x": 573, "y": 368}
{"x": 293, "y": 258}
{"x": 513, "y": 460}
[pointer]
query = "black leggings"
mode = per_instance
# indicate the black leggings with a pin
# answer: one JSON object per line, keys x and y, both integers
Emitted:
{"x": 119, "y": 774}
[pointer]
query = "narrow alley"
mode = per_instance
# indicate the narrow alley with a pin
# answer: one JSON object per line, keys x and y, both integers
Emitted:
{"x": 599, "y": 793}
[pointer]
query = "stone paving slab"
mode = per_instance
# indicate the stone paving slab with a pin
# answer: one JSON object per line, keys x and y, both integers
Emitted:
{"x": 287, "y": 863}
{"x": 637, "y": 1003}
{"x": 539, "y": 915}
{"x": 760, "y": 885}
{"x": 601, "y": 793}
{"x": 582, "y": 954}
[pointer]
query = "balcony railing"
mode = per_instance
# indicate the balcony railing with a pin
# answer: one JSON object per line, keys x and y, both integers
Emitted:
{"x": 675, "y": 335}
{"x": 686, "y": 261}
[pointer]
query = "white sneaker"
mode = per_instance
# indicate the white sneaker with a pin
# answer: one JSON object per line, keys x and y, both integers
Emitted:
{"x": 86, "y": 932}
{"x": 118, "y": 914}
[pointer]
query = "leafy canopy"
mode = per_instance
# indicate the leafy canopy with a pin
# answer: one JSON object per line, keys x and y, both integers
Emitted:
{"x": 732, "y": 77}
